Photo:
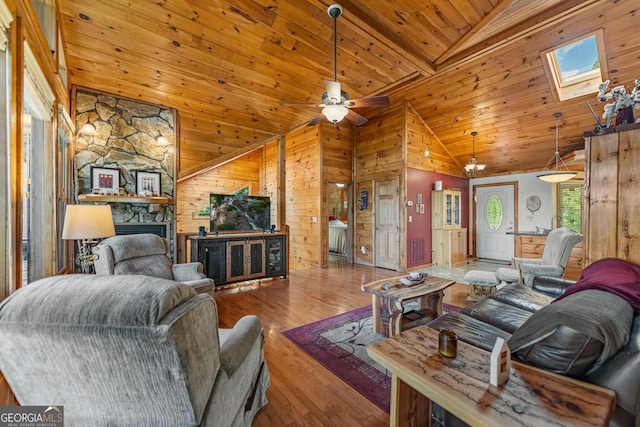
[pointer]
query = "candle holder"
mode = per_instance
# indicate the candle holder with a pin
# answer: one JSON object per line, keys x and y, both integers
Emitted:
{"x": 448, "y": 343}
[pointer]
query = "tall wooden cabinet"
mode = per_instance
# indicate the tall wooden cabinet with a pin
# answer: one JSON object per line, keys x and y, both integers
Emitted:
{"x": 611, "y": 192}
{"x": 448, "y": 238}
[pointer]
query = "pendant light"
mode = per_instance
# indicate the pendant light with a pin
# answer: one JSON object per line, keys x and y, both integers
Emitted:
{"x": 549, "y": 174}
{"x": 473, "y": 168}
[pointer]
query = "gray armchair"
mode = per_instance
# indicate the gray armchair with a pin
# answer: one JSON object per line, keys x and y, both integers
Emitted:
{"x": 146, "y": 254}
{"x": 555, "y": 257}
{"x": 131, "y": 351}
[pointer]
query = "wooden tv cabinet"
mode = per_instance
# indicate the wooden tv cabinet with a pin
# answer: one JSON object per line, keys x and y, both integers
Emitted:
{"x": 229, "y": 258}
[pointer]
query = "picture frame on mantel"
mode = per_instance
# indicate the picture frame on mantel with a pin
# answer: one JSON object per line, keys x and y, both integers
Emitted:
{"x": 105, "y": 180}
{"x": 147, "y": 183}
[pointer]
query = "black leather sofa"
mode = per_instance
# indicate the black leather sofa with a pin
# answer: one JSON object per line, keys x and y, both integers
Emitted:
{"x": 565, "y": 343}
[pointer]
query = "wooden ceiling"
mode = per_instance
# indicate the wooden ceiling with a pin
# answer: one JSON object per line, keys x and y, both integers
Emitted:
{"x": 463, "y": 65}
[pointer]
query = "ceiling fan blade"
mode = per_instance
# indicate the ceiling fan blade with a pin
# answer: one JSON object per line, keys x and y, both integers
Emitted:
{"x": 356, "y": 118}
{"x": 371, "y": 101}
{"x": 333, "y": 91}
{"x": 317, "y": 120}
{"x": 300, "y": 104}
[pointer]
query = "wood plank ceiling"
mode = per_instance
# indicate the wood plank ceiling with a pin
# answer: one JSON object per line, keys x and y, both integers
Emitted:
{"x": 464, "y": 65}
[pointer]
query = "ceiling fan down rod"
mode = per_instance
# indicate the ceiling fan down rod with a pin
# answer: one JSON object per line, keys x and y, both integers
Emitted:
{"x": 334, "y": 11}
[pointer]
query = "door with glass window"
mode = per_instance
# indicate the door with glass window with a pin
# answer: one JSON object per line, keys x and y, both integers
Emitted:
{"x": 494, "y": 218}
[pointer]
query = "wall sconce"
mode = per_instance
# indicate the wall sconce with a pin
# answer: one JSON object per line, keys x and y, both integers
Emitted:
{"x": 160, "y": 139}
{"x": 339, "y": 184}
{"x": 88, "y": 129}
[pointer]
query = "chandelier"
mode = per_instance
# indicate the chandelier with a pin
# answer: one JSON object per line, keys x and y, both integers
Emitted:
{"x": 549, "y": 174}
{"x": 473, "y": 168}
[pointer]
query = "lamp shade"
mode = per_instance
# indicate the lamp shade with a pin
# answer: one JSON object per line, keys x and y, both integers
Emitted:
{"x": 557, "y": 176}
{"x": 87, "y": 222}
{"x": 335, "y": 113}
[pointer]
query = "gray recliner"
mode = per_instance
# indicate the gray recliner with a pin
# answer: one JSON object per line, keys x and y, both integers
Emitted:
{"x": 555, "y": 257}
{"x": 146, "y": 254}
{"x": 131, "y": 351}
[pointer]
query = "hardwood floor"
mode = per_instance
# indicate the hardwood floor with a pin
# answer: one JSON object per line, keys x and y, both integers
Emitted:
{"x": 303, "y": 392}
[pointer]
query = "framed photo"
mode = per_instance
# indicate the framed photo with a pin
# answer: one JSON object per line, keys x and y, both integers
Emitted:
{"x": 364, "y": 200}
{"x": 105, "y": 180}
{"x": 147, "y": 183}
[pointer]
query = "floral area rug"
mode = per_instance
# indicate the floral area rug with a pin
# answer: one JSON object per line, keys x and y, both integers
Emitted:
{"x": 340, "y": 344}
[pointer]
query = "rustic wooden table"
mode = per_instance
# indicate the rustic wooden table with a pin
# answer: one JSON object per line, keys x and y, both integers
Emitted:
{"x": 387, "y": 304}
{"x": 531, "y": 397}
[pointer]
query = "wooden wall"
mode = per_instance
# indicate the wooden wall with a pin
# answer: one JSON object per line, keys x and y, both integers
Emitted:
{"x": 337, "y": 166}
{"x": 203, "y": 139}
{"x": 421, "y": 137}
{"x": 379, "y": 155}
{"x": 193, "y": 194}
{"x": 303, "y": 198}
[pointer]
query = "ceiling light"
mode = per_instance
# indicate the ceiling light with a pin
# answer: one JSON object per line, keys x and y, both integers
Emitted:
{"x": 335, "y": 113}
{"x": 473, "y": 168}
{"x": 556, "y": 175}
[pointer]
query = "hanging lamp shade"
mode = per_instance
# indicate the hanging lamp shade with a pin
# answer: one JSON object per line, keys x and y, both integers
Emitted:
{"x": 556, "y": 170}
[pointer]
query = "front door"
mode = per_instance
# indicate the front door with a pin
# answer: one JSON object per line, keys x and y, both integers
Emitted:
{"x": 387, "y": 233}
{"x": 494, "y": 218}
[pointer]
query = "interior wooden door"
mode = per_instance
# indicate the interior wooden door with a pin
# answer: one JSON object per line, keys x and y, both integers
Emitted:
{"x": 387, "y": 225}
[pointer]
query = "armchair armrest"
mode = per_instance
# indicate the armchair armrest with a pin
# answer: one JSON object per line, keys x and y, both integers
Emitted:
{"x": 529, "y": 271}
{"x": 552, "y": 286}
{"x": 515, "y": 261}
{"x": 236, "y": 343}
{"x": 188, "y": 271}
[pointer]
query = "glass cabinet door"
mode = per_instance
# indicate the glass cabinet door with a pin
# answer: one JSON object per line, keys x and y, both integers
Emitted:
{"x": 448, "y": 210}
{"x": 456, "y": 210}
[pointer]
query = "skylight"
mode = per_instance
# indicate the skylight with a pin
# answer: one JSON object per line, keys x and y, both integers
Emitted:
{"x": 576, "y": 68}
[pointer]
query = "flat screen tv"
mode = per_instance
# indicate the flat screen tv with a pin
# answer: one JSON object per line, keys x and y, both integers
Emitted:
{"x": 230, "y": 212}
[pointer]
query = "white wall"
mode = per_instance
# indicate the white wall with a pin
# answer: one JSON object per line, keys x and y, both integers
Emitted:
{"x": 528, "y": 185}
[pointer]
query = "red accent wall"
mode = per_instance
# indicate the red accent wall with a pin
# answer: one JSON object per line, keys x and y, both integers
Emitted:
{"x": 419, "y": 229}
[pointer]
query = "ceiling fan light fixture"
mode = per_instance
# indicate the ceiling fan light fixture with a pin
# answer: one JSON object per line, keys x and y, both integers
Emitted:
{"x": 549, "y": 174}
{"x": 335, "y": 113}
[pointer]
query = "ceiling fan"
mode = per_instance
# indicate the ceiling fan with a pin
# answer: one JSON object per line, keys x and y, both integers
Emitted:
{"x": 336, "y": 104}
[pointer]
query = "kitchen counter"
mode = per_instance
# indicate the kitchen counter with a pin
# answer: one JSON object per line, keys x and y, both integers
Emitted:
{"x": 529, "y": 233}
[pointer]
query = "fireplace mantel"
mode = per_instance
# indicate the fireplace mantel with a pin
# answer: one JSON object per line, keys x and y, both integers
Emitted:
{"x": 101, "y": 198}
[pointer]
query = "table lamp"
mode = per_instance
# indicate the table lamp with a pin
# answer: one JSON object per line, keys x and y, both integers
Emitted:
{"x": 86, "y": 224}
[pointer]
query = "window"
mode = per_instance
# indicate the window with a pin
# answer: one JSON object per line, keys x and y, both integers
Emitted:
{"x": 494, "y": 212}
{"x": 570, "y": 205}
{"x": 578, "y": 67}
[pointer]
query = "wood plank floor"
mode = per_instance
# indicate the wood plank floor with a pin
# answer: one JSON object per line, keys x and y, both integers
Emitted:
{"x": 303, "y": 392}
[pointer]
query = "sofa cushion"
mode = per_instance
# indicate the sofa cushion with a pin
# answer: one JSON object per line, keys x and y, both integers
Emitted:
{"x": 124, "y": 247}
{"x": 574, "y": 335}
{"x": 152, "y": 265}
{"x": 470, "y": 330}
{"x": 523, "y": 297}
{"x": 95, "y": 300}
{"x": 504, "y": 316}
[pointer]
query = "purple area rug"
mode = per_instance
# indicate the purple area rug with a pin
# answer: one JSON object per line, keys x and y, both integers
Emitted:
{"x": 340, "y": 344}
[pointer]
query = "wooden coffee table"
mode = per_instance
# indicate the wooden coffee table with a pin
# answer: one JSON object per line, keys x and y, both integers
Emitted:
{"x": 531, "y": 396}
{"x": 388, "y": 307}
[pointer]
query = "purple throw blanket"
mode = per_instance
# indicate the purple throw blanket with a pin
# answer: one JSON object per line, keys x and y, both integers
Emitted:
{"x": 613, "y": 275}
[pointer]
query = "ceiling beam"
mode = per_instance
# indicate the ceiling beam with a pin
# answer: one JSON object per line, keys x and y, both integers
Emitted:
{"x": 482, "y": 24}
{"x": 559, "y": 12}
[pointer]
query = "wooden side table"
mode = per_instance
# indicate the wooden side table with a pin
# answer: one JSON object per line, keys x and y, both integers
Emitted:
{"x": 387, "y": 304}
{"x": 461, "y": 386}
